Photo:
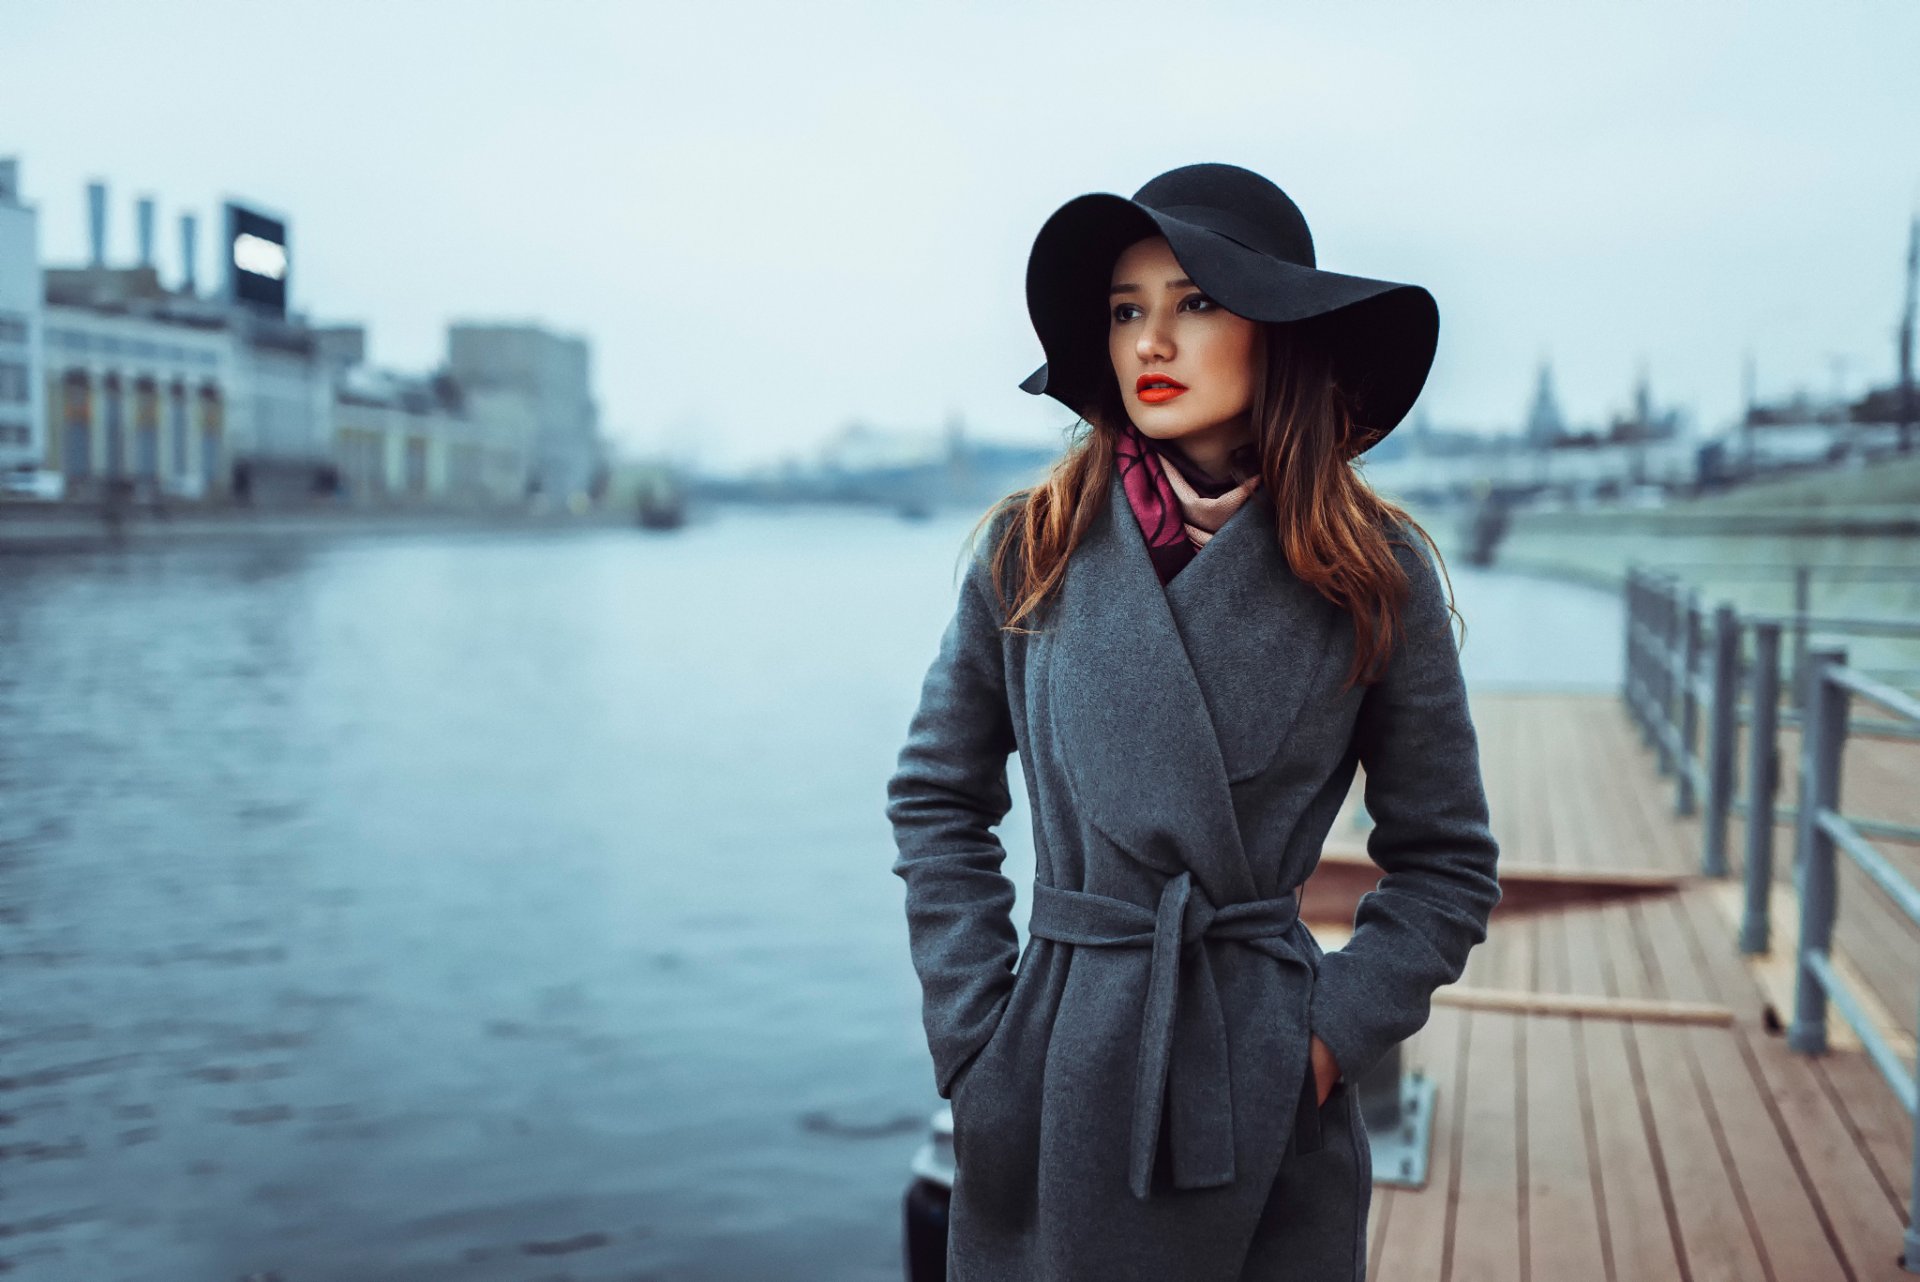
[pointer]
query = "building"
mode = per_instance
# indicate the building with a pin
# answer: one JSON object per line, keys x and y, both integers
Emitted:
{"x": 22, "y": 393}
{"x": 136, "y": 396}
{"x": 157, "y": 391}
{"x": 525, "y": 382}
{"x": 138, "y": 376}
{"x": 407, "y": 439}
{"x": 117, "y": 384}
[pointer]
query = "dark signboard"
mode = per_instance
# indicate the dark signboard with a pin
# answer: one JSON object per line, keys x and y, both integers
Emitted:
{"x": 256, "y": 259}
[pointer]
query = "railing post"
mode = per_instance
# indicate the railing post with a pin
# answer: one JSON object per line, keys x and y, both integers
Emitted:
{"x": 1664, "y": 686}
{"x": 1823, "y": 729}
{"x": 1910, "y": 1252}
{"x": 1689, "y": 731}
{"x": 1721, "y": 728}
{"x": 1802, "y": 607}
{"x": 1646, "y": 675}
{"x": 1763, "y": 784}
{"x": 1629, "y": 603}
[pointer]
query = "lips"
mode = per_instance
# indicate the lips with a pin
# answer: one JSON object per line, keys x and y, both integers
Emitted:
{"x": 1155, "y": 388}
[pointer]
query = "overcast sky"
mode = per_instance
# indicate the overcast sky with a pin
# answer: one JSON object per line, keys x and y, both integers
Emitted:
{"x": 773, "y": 219}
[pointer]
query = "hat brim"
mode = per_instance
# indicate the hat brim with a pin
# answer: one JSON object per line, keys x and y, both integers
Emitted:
{"x": 1382, "y": 334}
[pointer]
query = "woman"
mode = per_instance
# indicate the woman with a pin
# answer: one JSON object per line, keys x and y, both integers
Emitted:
{"x": 1192, "y": 631}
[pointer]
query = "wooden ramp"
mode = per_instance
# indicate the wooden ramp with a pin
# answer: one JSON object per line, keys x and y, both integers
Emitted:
{"x": 1638, "y": 1138}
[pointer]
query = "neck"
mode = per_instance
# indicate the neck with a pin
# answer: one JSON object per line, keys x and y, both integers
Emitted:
{"x": 1210, "y": 450}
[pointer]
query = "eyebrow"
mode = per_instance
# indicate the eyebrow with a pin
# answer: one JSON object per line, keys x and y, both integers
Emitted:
{"x": 1131, "y": 288}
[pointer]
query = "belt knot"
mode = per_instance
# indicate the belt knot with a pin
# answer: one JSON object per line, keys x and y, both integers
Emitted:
{"x": 1183, "y": 1037}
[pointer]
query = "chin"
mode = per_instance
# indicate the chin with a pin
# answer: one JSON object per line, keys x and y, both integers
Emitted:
{"x": 1163, "y": 426}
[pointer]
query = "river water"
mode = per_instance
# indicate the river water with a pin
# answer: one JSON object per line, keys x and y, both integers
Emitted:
{"x": 483, "y": 907}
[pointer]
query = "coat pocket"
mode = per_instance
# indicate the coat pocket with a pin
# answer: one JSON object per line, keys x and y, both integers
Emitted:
{"x": 1311, "y": 1119}
{"x": 1008, "y": 1010}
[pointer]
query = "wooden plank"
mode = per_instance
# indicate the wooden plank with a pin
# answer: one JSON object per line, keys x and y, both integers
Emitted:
{"x": 1562, "y": 1217}
{"x": 1415, "y": 1240}
{"x": 1528, "y": 1001}
{"x": 1716, "y": 1222}
{"x": 1699, "y": 1194}
{"x": 1641, "y": 1245}
{"x": 1585, "y": 970}
{"x": 1536, "y": 735}
{"x": 1879, "y": 1125}
{"x": 1377, "y": 1219}
{"x": 1550, "y": 953}
{"x": 1863, "y": 1217}
{"x": 1489, "y": 1241}
{"x": 1712, "y": 1151}
{"x": 1620, "y": 953}
{"x": 1790, "y": 1229}
{"x": 1518, "y": 873}
{"x": 1522, "y": 971}
{"x": 1639, "y": 803}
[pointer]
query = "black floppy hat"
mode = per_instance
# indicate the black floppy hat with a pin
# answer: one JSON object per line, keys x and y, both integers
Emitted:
{"x": 1246, "y": 245}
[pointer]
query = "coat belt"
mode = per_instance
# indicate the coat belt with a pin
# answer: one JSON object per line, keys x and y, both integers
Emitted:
{"x": 1183, "y": 1035}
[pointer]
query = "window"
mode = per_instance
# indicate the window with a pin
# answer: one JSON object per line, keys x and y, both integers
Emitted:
{"x": 13, "y": 329}
{"x": 13, "y": 383}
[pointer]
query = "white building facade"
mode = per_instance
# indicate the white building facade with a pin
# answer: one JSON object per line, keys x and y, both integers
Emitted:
{"x": 401, "y": 441}
{"x": 528, "y": 381}
{"x": 141, "y": 400}
{"x": 22, "y": 394}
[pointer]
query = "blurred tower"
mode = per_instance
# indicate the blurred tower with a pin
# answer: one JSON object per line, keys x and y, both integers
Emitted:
{"x": 1544, "y": 424}
{"x": 189, "y": 254}
{"x": 1908, "y": 409}
{"x": 143, "y": 213}
{"x": 97, "y": 224}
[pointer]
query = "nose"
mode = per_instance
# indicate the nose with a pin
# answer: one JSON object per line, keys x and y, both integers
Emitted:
{"x": 1155, "y": 343}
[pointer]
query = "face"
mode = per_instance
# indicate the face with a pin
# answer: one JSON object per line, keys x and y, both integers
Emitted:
{"x": 1185, "y": 364}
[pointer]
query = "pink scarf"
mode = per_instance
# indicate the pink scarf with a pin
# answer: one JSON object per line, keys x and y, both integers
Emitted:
{"x": 1178, "y": 507}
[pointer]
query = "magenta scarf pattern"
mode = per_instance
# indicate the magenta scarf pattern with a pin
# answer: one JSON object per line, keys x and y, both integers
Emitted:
{"x": 1175, "y": 521}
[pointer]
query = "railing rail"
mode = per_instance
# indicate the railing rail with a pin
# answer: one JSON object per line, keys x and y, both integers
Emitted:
{"x": 1685, "y": 673}
{"x": 1823, "y": 833}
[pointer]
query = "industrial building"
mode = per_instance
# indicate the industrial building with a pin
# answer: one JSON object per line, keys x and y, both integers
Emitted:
{"x": 117, "y": 385}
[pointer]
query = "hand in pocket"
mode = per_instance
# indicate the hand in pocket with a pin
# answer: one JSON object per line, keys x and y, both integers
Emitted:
{"x": 1325, "y": 1071}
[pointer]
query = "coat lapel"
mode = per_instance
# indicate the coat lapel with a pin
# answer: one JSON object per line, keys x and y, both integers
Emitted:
{"x": 1158, "y": 699}
{"x": 1259, "y": 639}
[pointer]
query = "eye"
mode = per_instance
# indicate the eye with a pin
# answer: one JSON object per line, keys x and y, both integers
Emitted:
{"x": 1120, "y": 311}
{"x": 1201, "y": 301}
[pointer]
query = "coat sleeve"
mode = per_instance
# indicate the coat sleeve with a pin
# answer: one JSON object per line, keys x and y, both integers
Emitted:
{"x": 949, "y": 791}
{"x": 1413, "y": 931}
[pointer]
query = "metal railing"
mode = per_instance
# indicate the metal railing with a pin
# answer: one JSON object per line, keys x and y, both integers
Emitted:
{"x": 1691, "y": 684}
{"x": 1823, "y": 830}
{"x": 1689, "y": 673}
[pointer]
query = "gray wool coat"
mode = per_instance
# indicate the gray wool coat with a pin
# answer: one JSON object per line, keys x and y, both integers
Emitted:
{"x": 1132, "y": 1094}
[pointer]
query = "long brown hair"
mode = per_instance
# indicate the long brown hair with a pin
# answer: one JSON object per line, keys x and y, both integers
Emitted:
{"x": 1337, "y": 534}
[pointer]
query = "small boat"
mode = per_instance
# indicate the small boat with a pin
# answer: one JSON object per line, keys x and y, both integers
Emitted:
{"x": 660, "y": 506}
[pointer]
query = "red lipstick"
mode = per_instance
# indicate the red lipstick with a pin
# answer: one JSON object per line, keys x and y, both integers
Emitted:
{"x": 1155, "y": 388}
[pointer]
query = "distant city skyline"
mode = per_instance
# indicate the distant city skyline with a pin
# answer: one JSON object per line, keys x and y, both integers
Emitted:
{"x": 772, "y": 222}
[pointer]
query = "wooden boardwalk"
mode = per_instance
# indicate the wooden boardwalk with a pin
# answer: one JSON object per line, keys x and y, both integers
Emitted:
{"x": 1576, "y": 1147}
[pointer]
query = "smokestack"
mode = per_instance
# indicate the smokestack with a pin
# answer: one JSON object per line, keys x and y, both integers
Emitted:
{"x": 97, "y": 223}
{"x": 144, "y": 214}
{"x": 189, "y": 253}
